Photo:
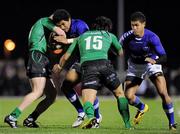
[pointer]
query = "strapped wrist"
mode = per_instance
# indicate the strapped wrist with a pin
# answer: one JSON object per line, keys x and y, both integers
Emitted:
{"x": 70, "y": 41}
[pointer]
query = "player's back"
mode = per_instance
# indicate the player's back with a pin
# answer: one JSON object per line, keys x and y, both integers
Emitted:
{"x": 94, "y": 45}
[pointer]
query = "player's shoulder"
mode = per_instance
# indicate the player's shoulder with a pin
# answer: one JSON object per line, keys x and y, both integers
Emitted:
{"x": 128, "y": 33}
{"x": 112, "y": 35}
{"x": 78, "y": 22}
{"x": 44, "y": 19}
{"x": 149, "y": 33}
{"x": 41, "y": 21}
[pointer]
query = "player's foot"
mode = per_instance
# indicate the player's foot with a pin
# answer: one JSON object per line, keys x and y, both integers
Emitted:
{"x": 128, "y": 126}
{"x": 173, "y": 127}
{"x": 89, "y": 123}
{"x": 98, "y": 121}
{"x": 11, "y": 121}
{"x": 30, "y": 122}
{"x": 140, "y": 114}
{"x": 79, "y": 120}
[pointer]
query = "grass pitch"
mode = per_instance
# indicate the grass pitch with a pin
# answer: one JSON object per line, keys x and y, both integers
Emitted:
{"x": 60, "y": 116}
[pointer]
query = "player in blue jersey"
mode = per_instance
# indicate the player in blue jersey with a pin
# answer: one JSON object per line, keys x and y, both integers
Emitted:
{"x": 145, "y": 58}
{"x": 73, "y": 28}
{"x": 97, "y": 70}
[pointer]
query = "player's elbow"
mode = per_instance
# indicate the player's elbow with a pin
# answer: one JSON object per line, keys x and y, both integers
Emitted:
{"x": 162, "y": 59}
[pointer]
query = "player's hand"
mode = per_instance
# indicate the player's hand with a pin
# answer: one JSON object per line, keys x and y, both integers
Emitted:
{"x": 56, "y": 68}
{"x": 150, "y": 60}
{"x": 61, "y": 39}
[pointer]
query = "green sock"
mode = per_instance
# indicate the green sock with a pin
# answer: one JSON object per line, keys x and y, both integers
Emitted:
{"x": 89, "y": 109}
{"x": 16, "y": 113}
{"x": 124, "y": 110}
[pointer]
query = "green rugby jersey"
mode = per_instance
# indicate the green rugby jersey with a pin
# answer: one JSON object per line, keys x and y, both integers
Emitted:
{"x": 37, "y": 39}
{"x": 94, "y": 45}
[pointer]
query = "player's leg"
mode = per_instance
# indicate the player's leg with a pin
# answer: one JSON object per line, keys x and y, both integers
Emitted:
{"x": 134, "y": 77}
{"x": 38, "y": 85}
{"x": 97, "y": 113}
{"x": 95, "y": 105}
{"x": 131, "y": 86}
{"x": 68, "y": 90}
{"x": 90, "y": 85}
{"x": 160, "y": 83}
{"x": 37, "y": 63}
{"x": 123, "y": 107}
{"x": 50, "y": 96}
{"x": 113, "y": 83}
{"x": 88, "y": 98}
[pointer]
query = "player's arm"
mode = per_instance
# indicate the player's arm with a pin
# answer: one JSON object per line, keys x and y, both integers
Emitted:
{"x": 81, "y": 28}
{"x": 161, "y": 60}
{"x": 59, "y": 31}
{"x": 155, "y": 41}
{"x": 47, "y": 22}
{"x": 117, "y": 45}
{"x": 68, "y": 53}
{"x": 58, "y": 67}
{"x": 63, "y": 39}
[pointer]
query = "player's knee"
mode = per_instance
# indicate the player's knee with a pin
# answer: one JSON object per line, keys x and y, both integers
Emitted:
{"x": 72, "y": 76}
{"x": 37, "y": 93}
{"x": 129, "y": 96}
{"x": 118, "y": 92}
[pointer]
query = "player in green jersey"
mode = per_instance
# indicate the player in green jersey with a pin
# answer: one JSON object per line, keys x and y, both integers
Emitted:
{"x": 38, "y": 63}
{"x": 97, "y": 69}
{"x": 67, "y": 80}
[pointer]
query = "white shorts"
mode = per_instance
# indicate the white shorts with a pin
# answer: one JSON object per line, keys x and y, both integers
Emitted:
{"x": 142, "y": 70}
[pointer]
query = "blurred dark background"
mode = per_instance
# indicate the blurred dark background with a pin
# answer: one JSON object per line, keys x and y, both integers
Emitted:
{"x": 18, "y": 16}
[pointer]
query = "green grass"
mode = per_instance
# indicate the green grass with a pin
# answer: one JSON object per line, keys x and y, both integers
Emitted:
{"x": 60, "y": 116}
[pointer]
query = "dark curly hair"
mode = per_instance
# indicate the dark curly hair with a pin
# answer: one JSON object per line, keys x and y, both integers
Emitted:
{"x": 102, "y": 23}
{"x": 61, "y": 14}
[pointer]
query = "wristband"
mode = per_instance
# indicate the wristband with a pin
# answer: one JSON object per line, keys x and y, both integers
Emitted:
{"x": 70, "y": 41}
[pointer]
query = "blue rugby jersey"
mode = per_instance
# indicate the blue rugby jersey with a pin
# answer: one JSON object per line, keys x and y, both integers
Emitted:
{"x": 77, "y": 28}
{"x": 138, "y": 48}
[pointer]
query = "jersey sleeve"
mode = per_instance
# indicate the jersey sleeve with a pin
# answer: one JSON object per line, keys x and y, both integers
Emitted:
{"x": 82, "y": 27}
{"x": 116, "y": 43}
{"x": 72, "y": 46}
{"x": 155, "y": 41}
{"x": 121, "y": 40}
{"x": 46, "y": 22}
{"x": 124, "y": 38}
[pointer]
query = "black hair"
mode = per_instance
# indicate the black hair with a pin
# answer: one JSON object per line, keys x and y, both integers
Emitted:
{"x": 102, "y": 23}
{"x": 138, "y": 16}
{"x": 61, "y": 14}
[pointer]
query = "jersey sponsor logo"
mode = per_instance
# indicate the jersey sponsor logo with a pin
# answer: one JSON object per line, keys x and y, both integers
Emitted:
{"x": 90, "y": 83}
